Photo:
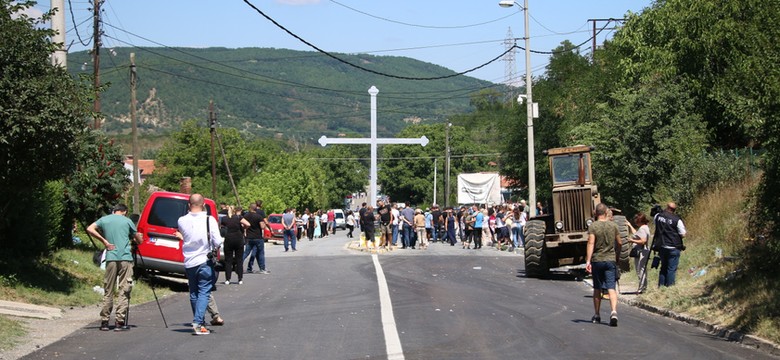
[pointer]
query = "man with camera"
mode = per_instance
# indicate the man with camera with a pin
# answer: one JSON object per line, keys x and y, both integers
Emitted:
{"x": 200, "y": 233}
{"x": 669, "y": 234}
{"x": 115, "y": 231}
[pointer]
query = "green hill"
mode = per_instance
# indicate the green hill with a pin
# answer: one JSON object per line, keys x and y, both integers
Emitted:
{"x": 272, "y": 92}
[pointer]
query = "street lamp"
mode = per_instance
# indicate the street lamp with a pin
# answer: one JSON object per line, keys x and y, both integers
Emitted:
{"x": 529, "y": 108}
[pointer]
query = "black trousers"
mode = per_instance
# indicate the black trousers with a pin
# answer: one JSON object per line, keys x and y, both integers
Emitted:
{"x": 234, "y": 252}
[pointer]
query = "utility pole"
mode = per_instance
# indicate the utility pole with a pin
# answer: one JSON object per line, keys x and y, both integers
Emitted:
{"x": 212, "y": 129}
{"x": 59, "y": 58}
{"x": 136, "y": 170}
{"x": 96, "y": 59}
{"x": 593, "y": 40}
{"x": 447, "y": 167}
{"x": 227, "y": 167}
{"x": 435, "y": 165}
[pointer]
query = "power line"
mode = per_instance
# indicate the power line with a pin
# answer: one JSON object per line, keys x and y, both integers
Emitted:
{"x": 417, "y": 25}
{"x": 73, "y": 18}
{"x": 280, "y": 26}
{"x": 556, "y": 32}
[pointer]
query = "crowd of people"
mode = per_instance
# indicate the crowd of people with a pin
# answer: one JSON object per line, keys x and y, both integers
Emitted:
{"x": 399, "y": 224}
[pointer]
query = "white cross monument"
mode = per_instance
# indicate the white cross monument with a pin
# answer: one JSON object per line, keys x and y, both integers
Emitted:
{"x": 373, "y": 141}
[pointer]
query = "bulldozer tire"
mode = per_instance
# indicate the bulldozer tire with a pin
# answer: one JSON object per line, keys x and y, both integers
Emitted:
{"x": 535, "y": 257}
{"x": 624, "y": 265}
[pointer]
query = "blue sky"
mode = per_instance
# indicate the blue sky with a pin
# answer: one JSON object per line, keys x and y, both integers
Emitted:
{"x": 455, "y": 34}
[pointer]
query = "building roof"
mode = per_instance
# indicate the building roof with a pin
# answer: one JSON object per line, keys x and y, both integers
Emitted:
{"x": 145, "y": 166}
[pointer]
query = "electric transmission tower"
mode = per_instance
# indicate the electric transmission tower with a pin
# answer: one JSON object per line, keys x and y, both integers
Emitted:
{"x": 510, "y": 74}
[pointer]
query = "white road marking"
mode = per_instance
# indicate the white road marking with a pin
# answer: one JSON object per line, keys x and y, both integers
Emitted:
{"x": 392, "y": 340}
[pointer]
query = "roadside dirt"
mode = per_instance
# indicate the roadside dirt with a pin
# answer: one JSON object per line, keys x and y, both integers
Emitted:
{"x": 41, "y": 332}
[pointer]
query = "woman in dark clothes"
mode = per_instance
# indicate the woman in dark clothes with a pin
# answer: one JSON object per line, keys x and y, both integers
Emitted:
{"x": 234, "y": 243}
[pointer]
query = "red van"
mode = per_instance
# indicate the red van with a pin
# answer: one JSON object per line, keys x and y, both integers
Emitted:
{"x": 160, "y": 250}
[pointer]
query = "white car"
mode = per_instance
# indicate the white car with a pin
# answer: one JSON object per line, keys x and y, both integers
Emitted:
{"x": 341, "y": 219}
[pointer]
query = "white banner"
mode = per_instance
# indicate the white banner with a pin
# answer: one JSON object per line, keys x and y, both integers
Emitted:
{"x": 479, "y": 188}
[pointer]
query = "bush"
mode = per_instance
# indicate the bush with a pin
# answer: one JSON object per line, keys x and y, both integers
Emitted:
{"x": 38, "y": 222}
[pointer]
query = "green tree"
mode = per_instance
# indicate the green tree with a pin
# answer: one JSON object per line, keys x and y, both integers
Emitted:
{"x": 345, "y": 174}
{"x": 291, "y": 180}
{"x": 97, "y": 181}
{"x": 43, "y": 110}
{"x": 407, "y": 172}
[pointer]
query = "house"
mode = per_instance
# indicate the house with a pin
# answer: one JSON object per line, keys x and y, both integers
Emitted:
{"x": 145, "y": 167}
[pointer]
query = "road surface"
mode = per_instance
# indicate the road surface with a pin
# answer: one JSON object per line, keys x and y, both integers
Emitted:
{"x": 326, "y": 301}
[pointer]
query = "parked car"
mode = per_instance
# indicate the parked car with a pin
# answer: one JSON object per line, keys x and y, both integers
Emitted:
{"x": 341, "y": 220}
{"x": 160, "y": 250}
{"x": 275, "y": 223}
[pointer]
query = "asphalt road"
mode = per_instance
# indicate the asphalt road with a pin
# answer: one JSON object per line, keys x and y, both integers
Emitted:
{"x": 327, "y": 302}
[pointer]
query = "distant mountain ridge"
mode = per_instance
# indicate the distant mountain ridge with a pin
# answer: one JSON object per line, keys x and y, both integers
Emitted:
{"x": 275, "y": 92}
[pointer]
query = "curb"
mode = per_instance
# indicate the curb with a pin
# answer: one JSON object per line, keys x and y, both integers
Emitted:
{"x": 723, "y": 332}
{"x": 29, "y": 310}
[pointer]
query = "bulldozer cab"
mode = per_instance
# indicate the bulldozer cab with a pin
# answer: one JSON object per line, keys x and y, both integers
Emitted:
{"x": 570, "y": 166}
{"x": 574, "y": 194}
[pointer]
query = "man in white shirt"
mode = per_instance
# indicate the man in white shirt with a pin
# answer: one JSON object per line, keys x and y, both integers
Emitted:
{"x": 200, "y": 233}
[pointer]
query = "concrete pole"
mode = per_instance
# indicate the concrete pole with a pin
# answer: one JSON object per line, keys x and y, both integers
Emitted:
{"x": 530, "y": 118}
{"x": 373, "y": 91}
{"x": 435, "y": 165}
{"x": 96, "y": 61}
{"x": 447, "y": 167}
{"x": 59, "y": 58}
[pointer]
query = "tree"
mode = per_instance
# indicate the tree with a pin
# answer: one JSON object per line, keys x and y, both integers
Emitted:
{"x": 291, "y": 180}
{"x": 407, "y": 172}
{"x": 345, "y": 174}
{"x": 97, "y": 181}
{"x": 43, "y": 111}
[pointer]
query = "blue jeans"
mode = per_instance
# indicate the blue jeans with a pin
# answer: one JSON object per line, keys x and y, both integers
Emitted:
{"x": 408, "y": 231}
{"x": 670, "y": 258}
{"x": 255, "y": 249}
{"x": 289, "y": 235}
{"x": 395, "y": 234}
{"x": 200, "y": 280}
{"x": 517, "y": 235}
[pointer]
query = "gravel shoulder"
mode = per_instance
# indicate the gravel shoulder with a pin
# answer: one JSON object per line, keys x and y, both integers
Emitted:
{"x": 42, "y": 332}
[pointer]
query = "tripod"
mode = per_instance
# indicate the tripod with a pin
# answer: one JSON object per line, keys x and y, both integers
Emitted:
{"x": 127, "y": 316}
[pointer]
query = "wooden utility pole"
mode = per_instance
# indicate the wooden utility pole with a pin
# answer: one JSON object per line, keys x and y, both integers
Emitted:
{"x": 595, "y": 33}
{"x": 227, "y": 168}
{"x": 212, "y": 129}
{"x": 96, "y": 60}
{"x": 134, "y": 121}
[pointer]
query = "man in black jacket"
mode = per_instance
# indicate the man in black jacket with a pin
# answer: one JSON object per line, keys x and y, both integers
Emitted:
{"x": 669, "y": 234}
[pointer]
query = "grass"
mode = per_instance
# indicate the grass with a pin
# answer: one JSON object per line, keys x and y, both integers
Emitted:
{"x": 728, "y": 291}
{"x": 10, "y": 333}
{"x": 63, "y": 279}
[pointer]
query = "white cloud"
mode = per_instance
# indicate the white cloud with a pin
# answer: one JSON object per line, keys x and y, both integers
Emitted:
{"x": 30, "y": 12}
{"x": 298, "y": 2}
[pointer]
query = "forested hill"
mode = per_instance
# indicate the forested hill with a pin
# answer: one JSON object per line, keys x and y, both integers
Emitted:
{"x": 269, "y": 92}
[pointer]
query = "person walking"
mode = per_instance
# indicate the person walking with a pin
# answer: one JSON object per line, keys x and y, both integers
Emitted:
{"x": 200, "y": 233}
{"x": 669, "y": 234}
{"x": 234, "y": 243}
{"x": 116, "y": 231}
{"x": 288, "y": 223}
{"x": 350, "y": 223}
{"x": 468, "y": 224}
{"x": 602, "y": 256}
{"x": 331, "y": 222}
{"x": 395, "y": 225}
{"x": 640, "y": 238}
{"x": 255, "y": 243}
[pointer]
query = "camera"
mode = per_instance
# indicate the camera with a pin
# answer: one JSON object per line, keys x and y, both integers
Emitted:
{"x": 655, "y": 210}
{"x": 212, "y": 254}
{"x": 656, "y": 262}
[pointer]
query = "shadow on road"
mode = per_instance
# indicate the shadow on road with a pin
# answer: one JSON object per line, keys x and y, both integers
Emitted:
{"x": 554, "y": 275}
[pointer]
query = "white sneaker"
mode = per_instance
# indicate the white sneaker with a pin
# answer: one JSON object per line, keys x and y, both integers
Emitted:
{"x": 227, "y": 282}
{"x": 240, "y": 282}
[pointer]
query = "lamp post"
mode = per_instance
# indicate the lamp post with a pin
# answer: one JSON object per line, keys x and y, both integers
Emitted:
{"x": 529, "y": 108}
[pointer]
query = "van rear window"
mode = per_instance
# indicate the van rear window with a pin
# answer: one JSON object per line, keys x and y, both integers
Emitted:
{"x": 167, "y": 211}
